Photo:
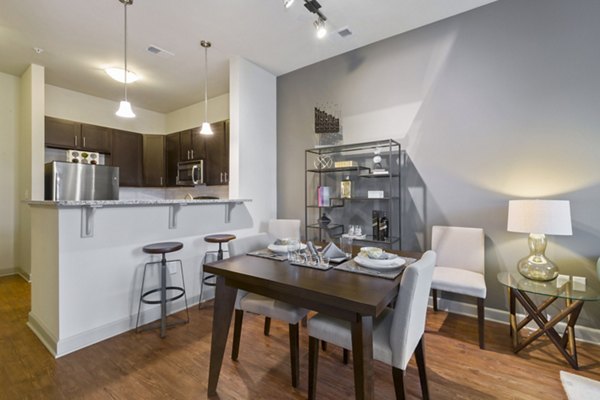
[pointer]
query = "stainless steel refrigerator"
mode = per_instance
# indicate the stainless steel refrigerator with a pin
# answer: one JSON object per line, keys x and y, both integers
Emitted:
{"x": 76, "y": 181}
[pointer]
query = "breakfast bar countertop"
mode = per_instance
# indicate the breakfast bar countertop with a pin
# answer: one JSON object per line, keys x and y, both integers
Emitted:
{"x": 132, "y": 202}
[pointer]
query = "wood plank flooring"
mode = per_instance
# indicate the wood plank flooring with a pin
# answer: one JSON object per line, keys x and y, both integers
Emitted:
{"x": 142, "y": 366}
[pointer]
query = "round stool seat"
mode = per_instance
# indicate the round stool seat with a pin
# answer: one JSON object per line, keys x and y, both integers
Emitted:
{"x": 162, "y": 248}
{"x": 223, "y": 238}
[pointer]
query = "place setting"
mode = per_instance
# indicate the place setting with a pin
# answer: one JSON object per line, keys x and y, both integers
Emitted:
{"x": 280, "y": 249}
{"x": 376, "y": 262}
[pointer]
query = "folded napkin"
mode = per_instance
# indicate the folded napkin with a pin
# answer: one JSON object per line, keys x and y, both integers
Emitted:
{"x": 332, "y": 251}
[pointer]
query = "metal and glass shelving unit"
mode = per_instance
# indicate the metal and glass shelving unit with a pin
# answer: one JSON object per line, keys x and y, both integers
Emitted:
{"x": 366, "y": 175}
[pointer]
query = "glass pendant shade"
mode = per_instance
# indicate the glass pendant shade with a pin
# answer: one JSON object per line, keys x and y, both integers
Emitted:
{"x": 206, "y": 129}
{"x": 125, "y": 110}
{"x": 539, "y": 218}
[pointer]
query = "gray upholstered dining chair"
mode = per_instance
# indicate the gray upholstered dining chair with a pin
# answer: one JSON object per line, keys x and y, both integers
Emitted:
{"x": 397, "y": 333}
{"x": 266, "y": 306}
{"x": 460, "y": 266}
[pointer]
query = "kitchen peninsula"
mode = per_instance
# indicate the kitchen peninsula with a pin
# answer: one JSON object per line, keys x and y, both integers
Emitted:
{"x": 87, "y": 260}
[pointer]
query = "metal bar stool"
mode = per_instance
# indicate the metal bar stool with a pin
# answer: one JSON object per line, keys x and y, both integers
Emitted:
{"x": 208, "y": 280}
{"x": 175, "y": 292}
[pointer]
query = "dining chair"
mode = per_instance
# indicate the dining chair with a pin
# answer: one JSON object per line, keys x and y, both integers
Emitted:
{"x": 397, "y": 332}
{"x": 262, "y": 305}
{"x": 284, "y": 229}
{"x": 460, "y": 266}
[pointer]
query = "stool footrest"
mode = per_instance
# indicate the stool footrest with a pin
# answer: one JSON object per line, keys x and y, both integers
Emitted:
{"x": 207, "y": 283}
{"x": 179, "y": 290}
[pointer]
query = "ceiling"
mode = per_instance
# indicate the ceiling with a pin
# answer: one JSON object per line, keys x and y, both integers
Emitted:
{"x": 80, "y": 38}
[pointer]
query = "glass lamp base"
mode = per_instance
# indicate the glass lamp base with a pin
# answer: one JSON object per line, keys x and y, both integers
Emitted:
{"x": 537, "y": 269}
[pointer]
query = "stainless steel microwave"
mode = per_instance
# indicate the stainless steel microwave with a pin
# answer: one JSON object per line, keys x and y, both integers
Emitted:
{"x": 190, "y": 173}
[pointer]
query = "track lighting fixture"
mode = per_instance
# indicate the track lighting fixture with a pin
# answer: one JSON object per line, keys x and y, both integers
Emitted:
{"x": 288, "y": 3}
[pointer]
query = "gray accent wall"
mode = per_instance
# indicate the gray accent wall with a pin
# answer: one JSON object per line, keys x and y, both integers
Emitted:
{"x": 499, "y": 103}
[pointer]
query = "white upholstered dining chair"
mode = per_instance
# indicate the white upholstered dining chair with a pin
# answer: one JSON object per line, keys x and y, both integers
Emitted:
{"x": 460, "y": 266}
{"x": 397, "y": 333}
{"x": 266, "y": 306}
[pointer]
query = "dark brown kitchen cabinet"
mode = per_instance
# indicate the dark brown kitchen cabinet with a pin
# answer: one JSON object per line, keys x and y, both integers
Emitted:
{"x": 154, "y": 160}
{"x": 172, "y": 153}
{"x": 217, "y": 154}
{"x": 96, "y": 138}
{"x": 127, "y": 155}
{"x": 191, "y": 145}
{"x": 64, "y": 134}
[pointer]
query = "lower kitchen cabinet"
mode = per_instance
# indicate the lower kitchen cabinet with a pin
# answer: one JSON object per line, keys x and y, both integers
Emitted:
{"x": 154, "y": 160}
{"x": 127, "y": 155}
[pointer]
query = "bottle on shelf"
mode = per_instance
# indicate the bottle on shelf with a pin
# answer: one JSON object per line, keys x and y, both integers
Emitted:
{"x": 346, "y": 188}
{"x": 384, "y": 228}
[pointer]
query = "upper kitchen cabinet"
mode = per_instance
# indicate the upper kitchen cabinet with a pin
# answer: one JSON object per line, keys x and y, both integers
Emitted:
{"x": 191, "y": 145}
{"x": 64, "y": 134}
{"x": 217, "y": 154}
{"x": 154, "y": 160}
{"x": 172, "y": 153}
{"x": 96, "y": 138}
{"x": 127, "y": 155}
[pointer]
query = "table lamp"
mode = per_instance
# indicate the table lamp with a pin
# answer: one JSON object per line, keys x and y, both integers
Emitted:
{"x": 539, "y": 218}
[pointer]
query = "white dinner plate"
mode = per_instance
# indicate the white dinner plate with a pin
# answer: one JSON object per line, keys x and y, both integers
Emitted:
{"x": 380, "y": 264}
{"x": 284, "y": 248}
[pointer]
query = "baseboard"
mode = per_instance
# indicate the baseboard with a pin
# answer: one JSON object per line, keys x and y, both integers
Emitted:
{"x": 68, "y": 345}
{"x": 39, "y": 329}
{"x": 582, "y": 333}
{"x": 15, "y": 271}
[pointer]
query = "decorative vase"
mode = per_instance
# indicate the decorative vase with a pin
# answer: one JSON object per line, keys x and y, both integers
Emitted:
{"x": 324, "y": 220}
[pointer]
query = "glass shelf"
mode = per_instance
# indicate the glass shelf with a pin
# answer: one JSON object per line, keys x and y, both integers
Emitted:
{"x": 356, "y": 168}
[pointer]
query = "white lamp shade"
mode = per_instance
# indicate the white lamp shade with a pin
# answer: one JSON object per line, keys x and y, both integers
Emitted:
{"x": 125, "y": 110}
{"x": 551, "y": 217}
{"x": 206, "y": 129}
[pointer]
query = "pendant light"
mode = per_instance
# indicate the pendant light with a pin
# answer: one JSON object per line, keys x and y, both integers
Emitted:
{"x": 206, "y": 129}
{"x": 125, "y": 107}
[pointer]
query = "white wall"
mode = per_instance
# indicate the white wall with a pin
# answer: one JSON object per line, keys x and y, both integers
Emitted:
{"x": 9, "y": 129}
{"x": 192, "y": 116}
{"x": 31, "y": 157}
{"x": 75, "y": 106}
{"x": 253, "y": 139}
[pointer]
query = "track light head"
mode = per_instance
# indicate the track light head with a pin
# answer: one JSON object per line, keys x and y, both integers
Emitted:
{"x": 321, "y": 28}
{"x": 288, "y": 3}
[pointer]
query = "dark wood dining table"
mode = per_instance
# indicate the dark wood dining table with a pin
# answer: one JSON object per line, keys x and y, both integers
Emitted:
{"x": 354, "y": 297}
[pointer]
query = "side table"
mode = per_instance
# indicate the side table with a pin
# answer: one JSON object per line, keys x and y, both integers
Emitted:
{"x": 563, "y": 287}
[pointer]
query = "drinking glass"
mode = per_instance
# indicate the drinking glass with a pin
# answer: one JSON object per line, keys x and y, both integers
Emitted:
{"x": 357, "y": 230}
{"x": 346, "y": 245}
{"x": 350, "y": 230}
{"x": 324, "y": 261}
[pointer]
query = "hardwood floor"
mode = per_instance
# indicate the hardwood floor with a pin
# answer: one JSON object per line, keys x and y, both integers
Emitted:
{"x": 142, "y": 366}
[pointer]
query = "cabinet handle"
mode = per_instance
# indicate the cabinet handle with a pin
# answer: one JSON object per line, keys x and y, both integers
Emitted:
{"x": 75, "y": 140}
{"x": 188, "y": 157}
{"x": 221, "y": 178}
{"x": 161, "y": 181}
{"x": 84, "y": 141}
{"x": 192, "y": 154}
{"x": 226, "y": 178}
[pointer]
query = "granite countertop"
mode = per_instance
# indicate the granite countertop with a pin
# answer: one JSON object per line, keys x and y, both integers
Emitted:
{"x": 130, "y": 203}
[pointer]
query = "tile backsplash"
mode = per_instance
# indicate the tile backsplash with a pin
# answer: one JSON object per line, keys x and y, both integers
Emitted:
{"x": 133, "y": 193}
